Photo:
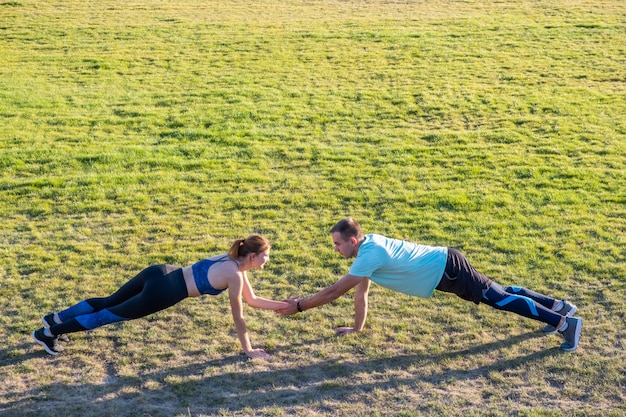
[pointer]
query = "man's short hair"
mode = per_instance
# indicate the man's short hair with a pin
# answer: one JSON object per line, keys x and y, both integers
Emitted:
{"x": 348, "y": 228}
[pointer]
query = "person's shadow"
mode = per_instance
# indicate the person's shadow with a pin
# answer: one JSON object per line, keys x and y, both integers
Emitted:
{"x": 236, "y": 391}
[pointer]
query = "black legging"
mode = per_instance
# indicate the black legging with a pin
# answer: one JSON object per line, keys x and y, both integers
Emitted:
{"x": 152, "y": 290}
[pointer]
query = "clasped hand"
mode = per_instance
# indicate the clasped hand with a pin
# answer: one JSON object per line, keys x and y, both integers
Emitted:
{"x": 292, "y": 306}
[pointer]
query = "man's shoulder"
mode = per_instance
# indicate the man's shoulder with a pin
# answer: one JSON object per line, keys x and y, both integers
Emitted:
{"x": 372, "y": 241}
{"x": 383, "y": 242}
{"x": 373, "y": 246}
{"x": 375, "y": 239}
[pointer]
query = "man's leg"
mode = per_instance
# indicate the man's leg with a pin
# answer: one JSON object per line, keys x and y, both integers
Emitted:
{"x": 520, "y": 303}
{"x": 569, "y": 327}
{"x": 562, "y": 307}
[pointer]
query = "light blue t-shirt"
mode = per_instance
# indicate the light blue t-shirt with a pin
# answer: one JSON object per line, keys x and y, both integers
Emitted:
{"x": 400, "y": 265}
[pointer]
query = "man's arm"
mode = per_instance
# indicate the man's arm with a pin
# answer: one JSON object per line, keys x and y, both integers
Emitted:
{"x": 324, "y": 296}
{"x": 360, "y": 309}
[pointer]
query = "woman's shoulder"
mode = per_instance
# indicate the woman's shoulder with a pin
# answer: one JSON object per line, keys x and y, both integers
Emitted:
{"x": 221, "y": 256}
{"x": 224, "y": 264}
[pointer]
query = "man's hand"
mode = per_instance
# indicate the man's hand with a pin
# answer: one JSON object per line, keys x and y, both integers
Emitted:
{"x": 292, "y": 306}
{"x": 343, "y": 331}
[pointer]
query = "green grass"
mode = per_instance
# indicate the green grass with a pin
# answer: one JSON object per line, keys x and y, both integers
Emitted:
{"x": 144, "y": 132}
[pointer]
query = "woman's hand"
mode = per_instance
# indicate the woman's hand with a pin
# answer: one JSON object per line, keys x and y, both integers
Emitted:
{"x": 258, "y": 353}
{"x": 343, "y": 331}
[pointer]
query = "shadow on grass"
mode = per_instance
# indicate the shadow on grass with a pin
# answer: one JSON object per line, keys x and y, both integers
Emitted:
{"x": 187, "y": 389}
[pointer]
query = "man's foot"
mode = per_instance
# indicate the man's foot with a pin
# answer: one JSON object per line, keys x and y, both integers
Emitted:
{"x": 48, "y": 321}
{"x": 567, "y": 310}
{"x": 572, "y": 333}
{"x": 48, "y": 343}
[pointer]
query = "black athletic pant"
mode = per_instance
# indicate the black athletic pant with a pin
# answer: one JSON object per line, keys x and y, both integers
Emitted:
{"x": 153, "y": 289}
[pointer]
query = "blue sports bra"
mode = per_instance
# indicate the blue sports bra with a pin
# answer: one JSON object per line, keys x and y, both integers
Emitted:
{"x": 201, "y": 275}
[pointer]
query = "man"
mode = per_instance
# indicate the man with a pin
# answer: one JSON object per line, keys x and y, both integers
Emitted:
{"x": 418, "y": 270}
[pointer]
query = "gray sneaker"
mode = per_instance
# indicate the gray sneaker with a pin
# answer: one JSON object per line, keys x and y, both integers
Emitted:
{"x": 567, "y": 310}
{"x": 572, "y": 333}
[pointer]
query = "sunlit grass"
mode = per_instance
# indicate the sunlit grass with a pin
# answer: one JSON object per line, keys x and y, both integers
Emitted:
{"x": 134, "y": 133}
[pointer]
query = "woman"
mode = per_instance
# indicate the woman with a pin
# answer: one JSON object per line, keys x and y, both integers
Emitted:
{"x": 161, "y": 286}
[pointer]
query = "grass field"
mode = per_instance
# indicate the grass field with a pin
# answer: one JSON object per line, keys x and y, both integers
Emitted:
{"x": 140, "y": 132}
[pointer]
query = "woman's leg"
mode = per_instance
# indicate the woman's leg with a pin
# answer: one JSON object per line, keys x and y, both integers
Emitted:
{"x": 150, "y": 291}
{"x": 125, "y": 292}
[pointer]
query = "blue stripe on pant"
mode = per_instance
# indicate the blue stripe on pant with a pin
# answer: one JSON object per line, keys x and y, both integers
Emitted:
{"x": 97, "y": 319}
{"x": 511, "y": 299}
{"x": 76, "y": 310}
{"x": 515, "y": 297}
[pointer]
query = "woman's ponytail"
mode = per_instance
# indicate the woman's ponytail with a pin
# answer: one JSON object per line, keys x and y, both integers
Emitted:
{"x": 252, "y": 244}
